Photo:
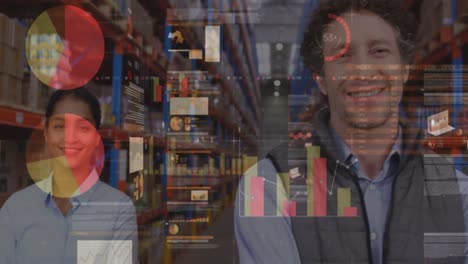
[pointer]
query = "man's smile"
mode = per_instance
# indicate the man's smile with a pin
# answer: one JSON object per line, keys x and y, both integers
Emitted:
{"x": 364, "y": 93}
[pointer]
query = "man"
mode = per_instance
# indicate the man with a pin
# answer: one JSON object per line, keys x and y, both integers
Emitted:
{"x": 357, "y": 51}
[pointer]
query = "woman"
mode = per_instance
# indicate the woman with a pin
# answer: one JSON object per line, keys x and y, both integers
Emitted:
{"x": 69, "y": 215}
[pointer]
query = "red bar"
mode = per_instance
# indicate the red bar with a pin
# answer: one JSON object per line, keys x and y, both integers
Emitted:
{"x": 292, "y": 208}
{"x": 289, "y": 208}
{"x": 320, "y": 187}
{"x": 184, "y": 87}
{"x": 258, "y": 196}
{"x": 350, "y": 211}
{"x": 158, "y": 93}
{"x": 285, "y": 208}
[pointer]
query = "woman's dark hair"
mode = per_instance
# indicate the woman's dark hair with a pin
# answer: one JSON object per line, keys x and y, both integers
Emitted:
{"x": 389, "y": 10}
{"x": 81, "y": 94}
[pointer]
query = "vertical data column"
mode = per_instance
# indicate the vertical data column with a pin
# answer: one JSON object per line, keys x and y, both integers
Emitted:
{"x": 320, "y": 186}
{"x": 282, "y": 193}
{"x": 289, "y": 208}
{"x": 344, "y": 200}
{"x": 312, "y": 153}
{"x": 250, "y": 170}
{"x": 258, "y": 196}
{"x": 344, "y": 203}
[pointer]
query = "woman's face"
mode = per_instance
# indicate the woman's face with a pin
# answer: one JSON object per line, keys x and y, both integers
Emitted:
{"x": 70, "y": 134}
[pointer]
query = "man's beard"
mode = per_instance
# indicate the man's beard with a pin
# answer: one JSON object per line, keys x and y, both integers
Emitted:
{"x": 356, "y": 121}
{"x": 374, "y": 119}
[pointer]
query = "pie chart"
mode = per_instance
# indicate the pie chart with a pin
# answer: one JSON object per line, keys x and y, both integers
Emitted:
{"x": 65, "y": 47}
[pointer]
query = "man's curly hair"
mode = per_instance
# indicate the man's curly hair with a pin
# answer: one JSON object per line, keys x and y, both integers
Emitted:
{"x": 390, "y": 10}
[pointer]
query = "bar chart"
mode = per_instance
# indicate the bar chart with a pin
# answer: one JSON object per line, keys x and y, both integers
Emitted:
{"x": 314, "y": 201}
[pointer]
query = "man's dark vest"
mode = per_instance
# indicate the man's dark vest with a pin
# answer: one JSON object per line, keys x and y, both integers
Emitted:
{"x": 419, "y": 206}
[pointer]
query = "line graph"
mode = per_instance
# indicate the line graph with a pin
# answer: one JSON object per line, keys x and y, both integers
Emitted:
{"x": 303, "y": 191}
{"x": 104, "y": 251}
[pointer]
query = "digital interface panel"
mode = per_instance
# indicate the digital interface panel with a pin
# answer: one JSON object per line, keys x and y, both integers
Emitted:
{"x": 243, "y": 131}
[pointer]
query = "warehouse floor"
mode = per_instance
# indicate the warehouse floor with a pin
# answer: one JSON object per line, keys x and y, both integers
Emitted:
{"x": 223, "y": 231}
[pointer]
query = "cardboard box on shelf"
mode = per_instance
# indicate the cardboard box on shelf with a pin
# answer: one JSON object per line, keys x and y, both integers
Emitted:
{"x": 15, "y": 93}
{"x": 122, "y": 23}
{"x": 12, "y": 33}
{"x": 9, "y": 60}
{"x": 44, "y": 93}
{"x": 106, "y": 10}
{"x": 118, "y": 4}
{"x": 19, "y": 91}
{"x": 26, "y": 96}
{"x": 2, "y": 59}
{"x": 463, "y": 10}
{"x": 446, "y": 33}
{"x": 111, "y": 4}
{"x": 33, "y": 85}
{"x": 447, "y": 10}
{"x": 38, "y": 94}
{"x": 433, "y": 45}
{"x": 432, "y": 17}
{"x": 9, "y": 92}
{"x": 6, "y": 30}
{"x": 139, "y": 39}
{"x": 19, "y": 36}
{"x": 8, "y": 168}
{"x": 459, "y": 27}
{"x": 5, "y": 86}
{"x": 20, "y": 63}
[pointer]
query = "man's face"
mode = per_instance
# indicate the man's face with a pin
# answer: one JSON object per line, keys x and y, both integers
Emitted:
{"x": 364, "y": 86}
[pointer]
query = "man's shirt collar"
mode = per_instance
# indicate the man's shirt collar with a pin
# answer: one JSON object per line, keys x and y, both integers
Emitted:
{"x": 347, "y": 157}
